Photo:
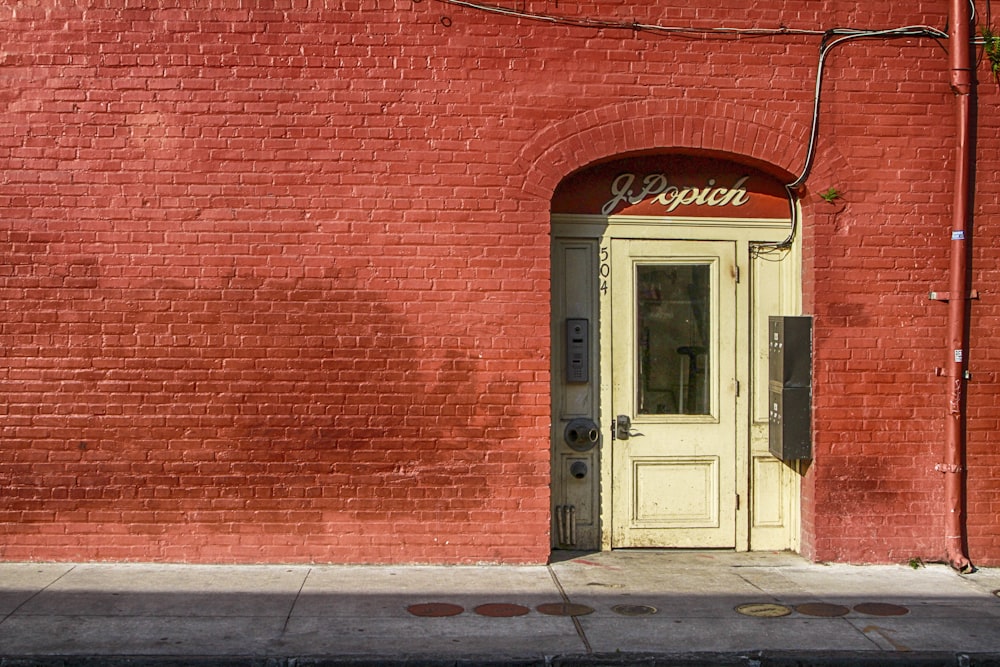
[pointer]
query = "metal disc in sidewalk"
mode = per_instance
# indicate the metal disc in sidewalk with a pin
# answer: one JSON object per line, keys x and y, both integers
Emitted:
{"x": 633, "y": 610}
{"x": 764, "y": 609}
{"x": 501, "y": 610}
{"x": 564, "y": 609}
{"x": 435, "y": 609}
{"x": 822, "y": 609}
{"x": 881, "y": 609}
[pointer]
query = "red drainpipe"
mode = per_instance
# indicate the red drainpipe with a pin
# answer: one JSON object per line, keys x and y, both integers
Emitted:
{"x": 960, "y": 52}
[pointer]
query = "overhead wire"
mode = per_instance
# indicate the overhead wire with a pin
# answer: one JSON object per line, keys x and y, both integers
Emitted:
{"x": 831, "y": 38}
{"x": 605, "y": 24}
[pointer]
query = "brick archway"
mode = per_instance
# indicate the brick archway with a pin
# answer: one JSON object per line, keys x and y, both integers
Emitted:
{"x": 743, "y": 133}
{"x": 717, "y": 127}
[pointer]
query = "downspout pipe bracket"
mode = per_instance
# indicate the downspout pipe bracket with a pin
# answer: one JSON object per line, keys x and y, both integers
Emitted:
{"x": 946, "y": 296}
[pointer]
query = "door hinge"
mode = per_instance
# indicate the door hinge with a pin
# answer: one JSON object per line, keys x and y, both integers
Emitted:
{"x": 737, "y": 502}
{"x": 737, "y": 388}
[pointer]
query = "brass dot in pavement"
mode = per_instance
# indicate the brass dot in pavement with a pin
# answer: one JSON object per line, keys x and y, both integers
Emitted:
{"x": 764, "y": 610}
{"x": 435, "y": 609}
{"x": 881, "y": 609}
{"x": 501, "y": 610}
{"x": 565, "y": 609}
{"x": 822, "y": 609}
{"x": 633, "y": 610}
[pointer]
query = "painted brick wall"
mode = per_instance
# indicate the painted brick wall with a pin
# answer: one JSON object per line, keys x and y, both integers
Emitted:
{"x": 983, "y": 447}
{"x": 873, "y": 493}
{"x": 275, "y": 273}
{"x": 878, "y": 337}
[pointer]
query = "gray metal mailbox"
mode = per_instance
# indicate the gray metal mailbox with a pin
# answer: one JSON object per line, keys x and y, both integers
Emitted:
{"x": 790, "y": 387}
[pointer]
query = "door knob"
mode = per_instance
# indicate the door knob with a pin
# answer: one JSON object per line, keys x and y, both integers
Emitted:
{"x": 623, "y": 427}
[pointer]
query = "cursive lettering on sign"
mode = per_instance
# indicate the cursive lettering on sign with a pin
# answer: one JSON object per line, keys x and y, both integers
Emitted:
{"x": 657, "y": 186}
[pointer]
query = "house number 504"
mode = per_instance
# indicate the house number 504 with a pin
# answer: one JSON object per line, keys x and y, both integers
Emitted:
{"x": 605, "y": 270}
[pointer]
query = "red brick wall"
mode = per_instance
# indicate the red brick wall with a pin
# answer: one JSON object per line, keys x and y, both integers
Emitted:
{"x": 873, "y": 493}
{"x": 275, "y": 276}
{"x": 983, "y": 448}
{"x": 878, "y": 337}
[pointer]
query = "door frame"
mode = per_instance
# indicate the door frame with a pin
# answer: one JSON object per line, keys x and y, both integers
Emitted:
{"x": 749, "y": 432}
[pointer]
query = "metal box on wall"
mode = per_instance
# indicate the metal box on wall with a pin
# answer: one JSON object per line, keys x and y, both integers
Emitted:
{"x": 789, "y": 431}
{"x": 789, "y": 348}
{"x": 790, "y": 387}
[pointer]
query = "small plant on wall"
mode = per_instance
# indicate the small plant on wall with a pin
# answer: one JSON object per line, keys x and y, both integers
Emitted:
{"x": 831, "y": 195}
{"x": 991, "y": 47}
{"x": 835, "y": 199}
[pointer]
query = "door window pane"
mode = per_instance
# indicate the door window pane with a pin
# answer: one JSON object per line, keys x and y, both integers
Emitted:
{"x": 674, "y": 347}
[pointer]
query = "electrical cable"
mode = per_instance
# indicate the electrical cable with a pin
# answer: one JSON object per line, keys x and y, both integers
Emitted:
{"x": 634, "y": 26}
{"x": 827, "y": 45}
{"x": 831, "y": 38}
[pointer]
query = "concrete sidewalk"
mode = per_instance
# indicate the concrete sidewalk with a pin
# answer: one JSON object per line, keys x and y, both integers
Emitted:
{"x": 622, "y": 607}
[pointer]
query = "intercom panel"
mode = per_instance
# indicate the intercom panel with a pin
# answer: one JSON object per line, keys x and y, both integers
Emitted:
{"x": 790, "y": 350}
{"x": 577, "y": 350}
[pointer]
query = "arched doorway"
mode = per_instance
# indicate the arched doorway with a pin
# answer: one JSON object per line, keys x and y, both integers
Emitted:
{"x": 665, "y": 268}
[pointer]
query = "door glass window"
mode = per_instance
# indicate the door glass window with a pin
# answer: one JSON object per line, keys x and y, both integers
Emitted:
{"x": 674, "y": 338}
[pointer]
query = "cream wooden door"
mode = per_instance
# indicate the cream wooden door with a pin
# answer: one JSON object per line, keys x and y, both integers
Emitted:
{"x": 673, "y": 349}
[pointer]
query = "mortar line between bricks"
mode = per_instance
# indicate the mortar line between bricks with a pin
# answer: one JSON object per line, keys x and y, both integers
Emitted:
{"x": 576, "y": 621}
{"x": 37, "y": 593}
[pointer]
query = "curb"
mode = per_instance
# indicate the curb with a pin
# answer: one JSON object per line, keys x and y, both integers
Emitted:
{"x": 703, "y": 659}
